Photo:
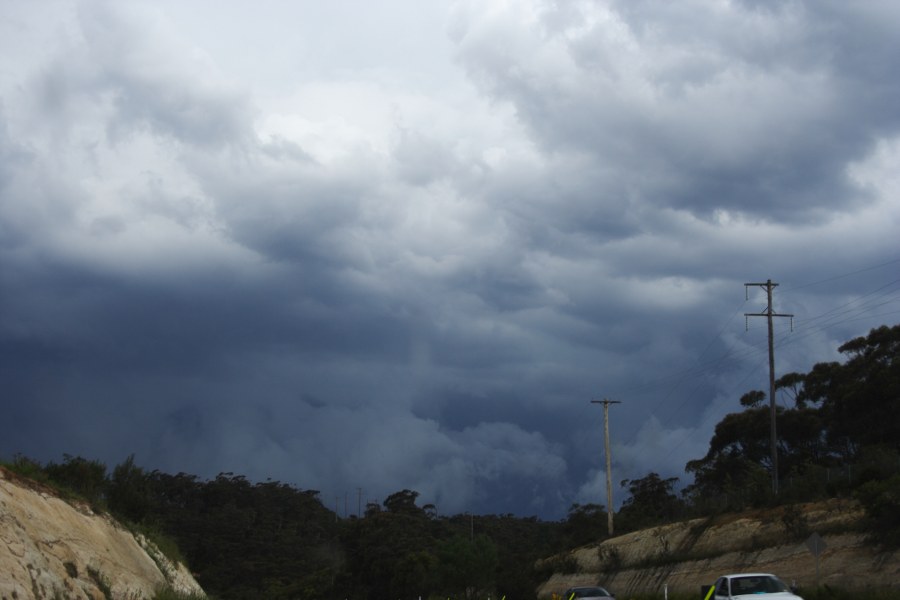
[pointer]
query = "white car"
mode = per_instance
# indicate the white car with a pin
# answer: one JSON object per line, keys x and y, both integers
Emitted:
{"x": 588, "y": 593}
{"x": 742, "y": 585}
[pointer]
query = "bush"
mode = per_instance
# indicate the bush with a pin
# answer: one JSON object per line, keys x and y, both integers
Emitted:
{"x": 167, "y": 593}
{"x": 881, "y": 500}
{"x": 82, "y": 477}
{"x": 27, "y": 467}
{"x": 164, "y": 542}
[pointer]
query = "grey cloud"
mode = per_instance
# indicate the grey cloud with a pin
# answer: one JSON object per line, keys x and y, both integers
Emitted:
{"x": 12, "y": 158}
{"x": 747, "y": 133}
{"x": 433, "y": 304}
{"x": 340, "y": 449}
{"x": 422, "y": 160}
{"x": 116, "y": 66}
{"x": 11, "y": 155}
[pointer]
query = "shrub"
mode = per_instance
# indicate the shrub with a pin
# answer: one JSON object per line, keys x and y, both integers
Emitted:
{"x": 27, "y": 467}
{"x": 167, "y": 593}
{"x": 881, "y": 499}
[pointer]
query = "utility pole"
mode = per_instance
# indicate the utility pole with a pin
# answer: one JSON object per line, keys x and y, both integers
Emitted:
{"x": 609, "y": 498}
{"x": 769, "y": 313}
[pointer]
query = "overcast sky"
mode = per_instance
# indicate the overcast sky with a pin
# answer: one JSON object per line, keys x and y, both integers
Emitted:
{"x": 365, "y": 246}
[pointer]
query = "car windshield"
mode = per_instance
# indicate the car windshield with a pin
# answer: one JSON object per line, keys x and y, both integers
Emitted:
{"x": 756, "y": 584}
{"x": 589, "y": 592}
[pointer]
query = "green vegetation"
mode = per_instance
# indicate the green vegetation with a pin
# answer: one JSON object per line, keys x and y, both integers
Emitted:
{"x": 842, "y": 432}
{"x": 840, "y": 438}
{"x": 164, "y": 542}
{"x": 167, "y": 593}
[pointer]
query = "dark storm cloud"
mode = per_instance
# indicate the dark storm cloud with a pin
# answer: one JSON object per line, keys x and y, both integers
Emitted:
{"x": 345, "y": 276}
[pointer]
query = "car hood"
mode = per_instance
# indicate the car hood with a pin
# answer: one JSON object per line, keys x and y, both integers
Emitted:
{"x": 770, "y": 596}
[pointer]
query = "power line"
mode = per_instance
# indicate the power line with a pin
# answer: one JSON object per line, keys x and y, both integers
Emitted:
{"x": 850, "y": 313}
{"x": 842, "y": 276}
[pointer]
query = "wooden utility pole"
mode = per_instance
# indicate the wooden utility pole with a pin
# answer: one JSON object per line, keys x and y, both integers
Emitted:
{"x": 609, "y": 498}
{"x": 769, "y": 313}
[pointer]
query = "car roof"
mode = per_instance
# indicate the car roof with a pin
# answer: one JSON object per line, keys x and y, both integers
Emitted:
{"x": 586, "y": 587}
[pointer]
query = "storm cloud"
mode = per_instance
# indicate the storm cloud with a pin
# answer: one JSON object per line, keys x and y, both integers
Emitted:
{"x": 358, "y": 249}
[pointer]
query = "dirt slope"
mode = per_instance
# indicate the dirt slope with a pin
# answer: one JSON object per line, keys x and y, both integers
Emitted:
{"x": 51, "y": 549}
{"x": 768, "y": 541}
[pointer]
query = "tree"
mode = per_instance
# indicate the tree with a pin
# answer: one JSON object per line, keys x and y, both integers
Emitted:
{"x": 87, "y": 478}
{"x": 388, "y": 551}
{"x": 414, "y": 574}
{"x": 520, "y": 542}
{"x": 270, "y": 540}
{"x": 652, "y": 501}
{"x": 726, "y": 481}
{"x": 792, "y": 383}
{"x": 403, "y": 502}
{"x": 840, "y": 414}
{"x": 753, "y": 399}
{"x": 245, "y": 540}
{"x": 746, "y": 434}
{"x": 740, "y": 447}
{"x": 467, "y": 565}
{"x": 863, "y": 401}
{"x": 129, "y": 491}
{"x": 585, "y": 524}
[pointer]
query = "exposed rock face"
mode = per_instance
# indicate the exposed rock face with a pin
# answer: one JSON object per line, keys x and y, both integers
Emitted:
{"x": 51, "y": 549}
{"x": 766, "y": 541}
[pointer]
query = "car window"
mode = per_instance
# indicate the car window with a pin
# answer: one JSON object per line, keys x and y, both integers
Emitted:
{"x": 759, "y": 584}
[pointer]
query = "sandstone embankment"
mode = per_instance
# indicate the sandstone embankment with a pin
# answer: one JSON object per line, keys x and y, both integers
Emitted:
{"x": 51, "y": 548}
{"x": 683, "y": 556}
